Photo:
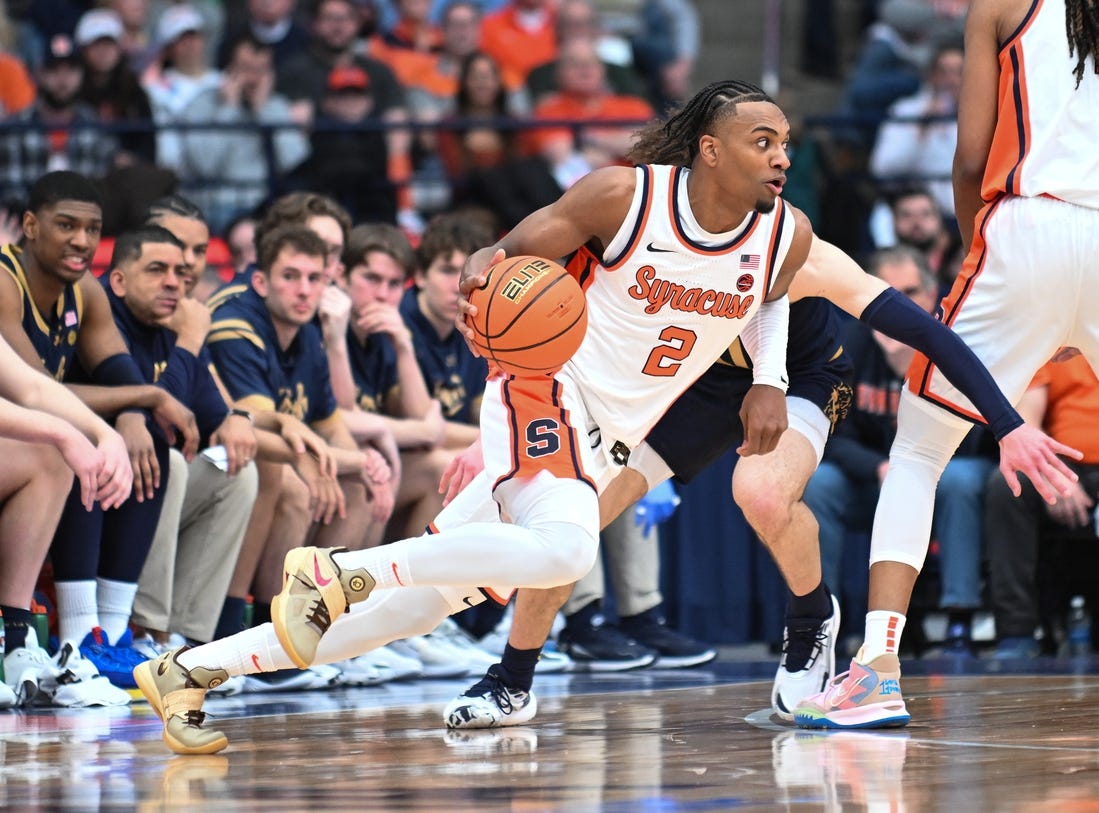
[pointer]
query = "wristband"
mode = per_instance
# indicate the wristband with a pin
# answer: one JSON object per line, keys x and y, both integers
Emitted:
{"x": 243, "y": 413}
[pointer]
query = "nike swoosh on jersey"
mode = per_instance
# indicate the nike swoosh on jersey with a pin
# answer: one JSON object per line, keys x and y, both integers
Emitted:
{"x": 654, "y": 249}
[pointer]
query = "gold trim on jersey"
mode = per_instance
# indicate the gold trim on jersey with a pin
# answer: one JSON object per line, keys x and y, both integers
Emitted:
{"x": 14, "y": 267}
{"x": 226, "y": 329}
{"x": 224, "y": 295}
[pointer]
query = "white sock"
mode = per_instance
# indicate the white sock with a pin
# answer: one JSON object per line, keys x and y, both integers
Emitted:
{"x": 116, "y": 602}
{"x": 246, "y": 653}
{"x": 77, "y": 610}
{"x": 883, "y": 634}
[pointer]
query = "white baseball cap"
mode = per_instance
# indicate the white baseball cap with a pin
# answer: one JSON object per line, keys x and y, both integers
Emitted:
{"x": 98, "y": 24}
{"x": 177, "y": 21}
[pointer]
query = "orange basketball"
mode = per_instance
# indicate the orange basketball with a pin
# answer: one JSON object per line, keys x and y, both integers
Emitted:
{"x": 531, "y": 316}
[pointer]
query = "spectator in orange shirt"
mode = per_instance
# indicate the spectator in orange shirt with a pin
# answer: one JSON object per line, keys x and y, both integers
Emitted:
{"x": 481, "y": 159}
{"x": 520, "y": 36}
{"x": 16, "y": 84}
{"x": 579, "y": 19}
{"x": 583, "y": 96}
{"x": 413, "y": 30}
{"x": 1063, "y": 399}
{"x": 432, "y": 90}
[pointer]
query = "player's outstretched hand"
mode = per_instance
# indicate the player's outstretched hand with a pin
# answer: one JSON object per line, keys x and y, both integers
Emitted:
{"x": 460, "y": 472}
{"x": 763, "y": 415}
{"x": 474, "y": 275}
{"x": 1030, "y": 451}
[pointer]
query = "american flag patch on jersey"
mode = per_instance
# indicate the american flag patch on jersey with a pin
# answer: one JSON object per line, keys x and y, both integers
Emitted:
{"x": 70, "y": 318}
{"x": 749, "y": 262}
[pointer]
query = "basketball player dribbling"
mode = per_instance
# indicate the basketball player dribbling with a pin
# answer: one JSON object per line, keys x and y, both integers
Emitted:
{"x": 642, "y": 350}
{"x": 1026, "y": 187}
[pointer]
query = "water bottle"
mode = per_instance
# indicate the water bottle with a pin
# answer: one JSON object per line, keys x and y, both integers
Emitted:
{"x": 249, "y": 612}
{"x": 41, "y": 622}
{"x": 2, "y": 648}
{"x": 1079, "y": 627}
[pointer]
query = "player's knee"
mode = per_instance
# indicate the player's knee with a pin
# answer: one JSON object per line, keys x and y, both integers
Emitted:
{"x": 766, "y": 507}
{"x": 570, "y": 551}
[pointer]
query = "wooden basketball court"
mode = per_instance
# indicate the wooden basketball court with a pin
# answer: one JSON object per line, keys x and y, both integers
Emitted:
{"x": 693, "y": 740}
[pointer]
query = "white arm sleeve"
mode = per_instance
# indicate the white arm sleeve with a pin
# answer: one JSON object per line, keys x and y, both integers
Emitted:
{"x": 764, "y": 339}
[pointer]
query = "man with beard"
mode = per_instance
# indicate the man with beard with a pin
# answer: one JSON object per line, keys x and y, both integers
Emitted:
{"x": 918, "y": 222}
{"x": 53, "y": 133}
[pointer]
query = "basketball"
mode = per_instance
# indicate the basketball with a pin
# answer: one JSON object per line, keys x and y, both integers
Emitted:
{"x": 531, "y": 316}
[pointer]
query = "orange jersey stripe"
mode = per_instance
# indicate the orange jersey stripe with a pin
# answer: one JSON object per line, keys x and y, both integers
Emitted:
{"x": 541, "y": 434}
{"x": 1011, "y": 139}
{"x": 772, "y": 249}
{"x": 581, "y": 267}
{"x": 921, "y": 368}
{"x": 494, "y": 596}
{"x": 639, "y": 224}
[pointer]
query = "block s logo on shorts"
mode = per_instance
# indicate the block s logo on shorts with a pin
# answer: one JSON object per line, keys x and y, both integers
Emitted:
{"x": 543, "y": 437}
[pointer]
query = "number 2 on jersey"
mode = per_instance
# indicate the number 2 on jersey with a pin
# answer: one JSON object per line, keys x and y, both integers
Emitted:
{"x": 680, "y": 341}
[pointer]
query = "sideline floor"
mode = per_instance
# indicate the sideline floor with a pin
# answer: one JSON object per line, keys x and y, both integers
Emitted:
{"x": 985, "y": 736}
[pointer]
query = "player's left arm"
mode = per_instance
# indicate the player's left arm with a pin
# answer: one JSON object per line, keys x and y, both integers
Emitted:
{"x": 831, "y": 274}
{"x": 977, "y": 110}
{"x": 763, "y": 410}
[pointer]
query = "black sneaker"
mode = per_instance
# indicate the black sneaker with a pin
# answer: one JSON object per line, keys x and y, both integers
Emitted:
{"x": 596, "y": 646}
{"x": 673, "y": 649}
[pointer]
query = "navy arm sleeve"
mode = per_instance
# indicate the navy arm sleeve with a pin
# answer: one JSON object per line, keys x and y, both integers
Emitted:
{"x": 208, "y": 405}
{"x": 897, "y": 317}
{"x": 179, "y": 375}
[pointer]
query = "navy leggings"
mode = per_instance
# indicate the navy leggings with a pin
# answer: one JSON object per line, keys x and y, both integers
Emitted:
{"x": 109, "y": 544}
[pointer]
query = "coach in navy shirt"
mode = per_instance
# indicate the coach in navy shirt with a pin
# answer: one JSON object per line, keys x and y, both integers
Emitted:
{"x": 189, "y": 567}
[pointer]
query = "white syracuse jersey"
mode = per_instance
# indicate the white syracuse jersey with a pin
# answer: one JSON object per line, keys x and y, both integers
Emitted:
{"x": 665, "y": 301}
{"x": 1044, "y": 143}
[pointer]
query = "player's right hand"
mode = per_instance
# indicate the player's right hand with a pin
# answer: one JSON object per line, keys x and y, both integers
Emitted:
{"x": 474, "y": 275}
{"x": 763, "y": 416}
{"x": 460, "y": 471}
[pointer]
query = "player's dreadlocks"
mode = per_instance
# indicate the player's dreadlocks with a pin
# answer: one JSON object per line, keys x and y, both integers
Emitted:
{"x": 1082, "y": 18}
{"x": 675, "y": 141}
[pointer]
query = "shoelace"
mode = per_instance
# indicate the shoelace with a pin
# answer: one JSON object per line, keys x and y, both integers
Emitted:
{"x": 491, "y": 684}
{"x": 319, "y": 616}
{"x": 803, "y": 645}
